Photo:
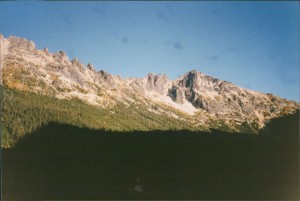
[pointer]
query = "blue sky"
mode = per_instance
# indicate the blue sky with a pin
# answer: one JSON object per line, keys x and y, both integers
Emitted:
{"x": 252, "y": 44}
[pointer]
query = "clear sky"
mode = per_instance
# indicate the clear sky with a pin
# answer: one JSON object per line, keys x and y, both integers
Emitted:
{"x": 252, "y": 44}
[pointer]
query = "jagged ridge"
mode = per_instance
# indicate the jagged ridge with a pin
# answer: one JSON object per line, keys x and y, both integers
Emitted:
{"x": 194, "y": 97}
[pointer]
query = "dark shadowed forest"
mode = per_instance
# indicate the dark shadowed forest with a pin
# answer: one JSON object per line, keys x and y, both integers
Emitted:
{"x": 65, "y": 162}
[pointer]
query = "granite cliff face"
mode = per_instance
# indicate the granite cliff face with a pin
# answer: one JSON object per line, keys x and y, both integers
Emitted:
{"x": 203, "y": 100}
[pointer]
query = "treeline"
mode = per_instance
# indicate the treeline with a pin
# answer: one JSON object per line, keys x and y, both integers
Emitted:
{"x": 23, "y": 112}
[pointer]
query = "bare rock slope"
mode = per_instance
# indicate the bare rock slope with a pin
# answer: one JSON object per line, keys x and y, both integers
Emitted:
{"x": 194, "y": 97}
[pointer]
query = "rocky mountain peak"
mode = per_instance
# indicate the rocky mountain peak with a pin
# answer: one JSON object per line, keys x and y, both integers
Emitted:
{"x": 46, "y": 50}
{"x": 61, "y": 57}
{"x": 194, "y": 72}
{"x": 21, "y": 43}
{"x": 105, "y": 75}
{"x": 77, "y": 63}
{"x": 90, "y": 67}
{"x": 155, "y": 78}
{"x": 191, "y": 79}
{"x": 62, "y": 54}
{"x": 156, "y": 83}
{"x": 193, "y": 93}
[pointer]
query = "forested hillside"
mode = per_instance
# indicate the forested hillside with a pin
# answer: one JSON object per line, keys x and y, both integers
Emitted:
{"x": 23, "y": 112}
{"x": 66, "y": 162}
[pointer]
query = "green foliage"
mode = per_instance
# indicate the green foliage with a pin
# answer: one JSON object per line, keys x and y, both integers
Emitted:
{"x": 23, "y": 112}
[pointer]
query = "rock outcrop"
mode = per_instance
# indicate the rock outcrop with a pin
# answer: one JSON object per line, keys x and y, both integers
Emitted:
{"x": 53, "y": 74}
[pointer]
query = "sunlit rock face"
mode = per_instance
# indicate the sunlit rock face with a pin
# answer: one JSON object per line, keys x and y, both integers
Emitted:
{"x": 200, "y": 98}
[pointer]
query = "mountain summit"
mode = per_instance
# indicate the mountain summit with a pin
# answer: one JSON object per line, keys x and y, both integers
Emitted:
{"x": 196, "y": 98}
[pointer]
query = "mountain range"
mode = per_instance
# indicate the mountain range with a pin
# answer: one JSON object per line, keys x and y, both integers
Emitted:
{"x": 200, "y": 101}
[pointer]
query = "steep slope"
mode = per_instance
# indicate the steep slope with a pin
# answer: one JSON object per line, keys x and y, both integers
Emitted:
{"x": 228, "y": 101}
{"x": 24, "y": 112}
{"x": 203, "y": 102}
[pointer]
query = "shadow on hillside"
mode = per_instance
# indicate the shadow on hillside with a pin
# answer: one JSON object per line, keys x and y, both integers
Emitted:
{"x": 66, "y": 162}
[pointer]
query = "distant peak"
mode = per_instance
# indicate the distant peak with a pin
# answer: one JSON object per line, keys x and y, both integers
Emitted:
{"x": 194, "y": 72}
{"x": 102, "y": 72}
{"x": 21, "y": 43}
{"x": 74, "y": 60}
{"x": 151, "y": 75}
{"x": 77, "y": 63}
{"x": 62, "y": 53}
{"x": 46, "y": 50}
{"x": 90, "y": 66}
